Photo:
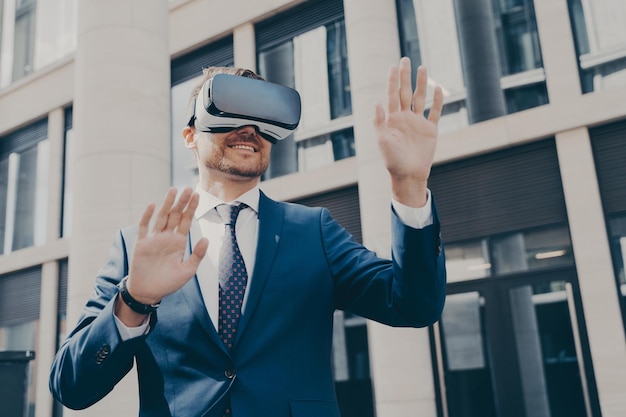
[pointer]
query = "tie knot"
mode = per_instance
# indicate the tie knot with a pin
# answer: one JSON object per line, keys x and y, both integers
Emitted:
{"x": 231, "y": 212}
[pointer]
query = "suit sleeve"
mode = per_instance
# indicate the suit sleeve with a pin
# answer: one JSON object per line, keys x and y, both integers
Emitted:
{"x": 93, "y": 358}
{"x": 407, "y": 291}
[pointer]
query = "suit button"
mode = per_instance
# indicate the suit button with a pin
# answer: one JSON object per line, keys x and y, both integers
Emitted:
{"x": 102, "y": 354}
{"x": 230, "y": 373}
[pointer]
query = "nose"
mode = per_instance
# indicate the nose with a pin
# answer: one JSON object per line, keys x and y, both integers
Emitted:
{"x": 247, "y": 130}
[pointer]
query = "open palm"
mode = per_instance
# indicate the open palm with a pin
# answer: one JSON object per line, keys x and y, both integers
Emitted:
{"x": 407, "y": 139}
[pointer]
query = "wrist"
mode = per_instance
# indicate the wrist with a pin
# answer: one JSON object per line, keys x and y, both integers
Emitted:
{"x": 410, "y": 192}
{"x": 135, "y": 305}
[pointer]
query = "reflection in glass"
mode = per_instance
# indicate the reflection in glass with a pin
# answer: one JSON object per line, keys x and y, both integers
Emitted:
{"x": 323, "y": 150}
{"x": 338, "y": 76}
{"x": 24, "y": 39}
{"x": 546, "y": 349}
{"x": 517, "y": 34}
{"x": 467, "y": 261}
{"x": 277, "y": 65}
{"x": 468, "y": 373}
{"x": 24, "y": 229}
{"x": 409, "y": 41}
{"x": 526, "y": 97}
{"x": 530, "y": 250}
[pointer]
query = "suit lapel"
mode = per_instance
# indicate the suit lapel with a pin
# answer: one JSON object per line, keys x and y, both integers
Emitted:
{"x": 270, "y": 226}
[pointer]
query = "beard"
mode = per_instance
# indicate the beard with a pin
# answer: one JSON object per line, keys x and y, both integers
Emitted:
{"x": 250, "y": 169}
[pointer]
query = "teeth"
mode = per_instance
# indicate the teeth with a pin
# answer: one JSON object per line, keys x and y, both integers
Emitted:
{"x": 249, "y": 148}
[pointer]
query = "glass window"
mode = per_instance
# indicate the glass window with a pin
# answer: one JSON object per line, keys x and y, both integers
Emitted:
{"x": 323, "y": 150}
{"x": 511, "y": 253}
{"x": 579, "y": 27}
{"x": 24, "y": 230}
{"x": 526, "y": 97}
{"x": 467, "y": 367}
{"x": 23, "y": 188}
{"x": 409, "y": 41}
{"x": 598, "y": 29}
{"x": 351, "y": 365}
{"x": 19, "y": 318}
{"x": 277, "y": 65}
{"x": 466, "y": 261}
{"x": 338, "y": 77}
{"x": 316, "y": 64}
{"x": 24, "y": 39}
{"x": 68, "y": 189}
{"x": 517, "y": 34}
{"x": 531, "y": 250}
{"x": 38, "y": 33}
{"x": 617, "y": 226}
{"x": 512, "y": 348}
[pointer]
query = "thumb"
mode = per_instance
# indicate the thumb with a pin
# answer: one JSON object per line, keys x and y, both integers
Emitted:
{"x": 198, "y": 253}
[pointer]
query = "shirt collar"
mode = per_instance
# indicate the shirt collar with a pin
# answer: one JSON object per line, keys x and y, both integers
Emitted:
{"x": 208, "y": 202}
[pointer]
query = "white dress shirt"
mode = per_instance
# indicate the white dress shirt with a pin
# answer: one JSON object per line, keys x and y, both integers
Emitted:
{"x": 246, "y": 229}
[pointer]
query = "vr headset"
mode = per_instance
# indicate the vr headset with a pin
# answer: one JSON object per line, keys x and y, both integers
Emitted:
{"x": 228, "y": 102}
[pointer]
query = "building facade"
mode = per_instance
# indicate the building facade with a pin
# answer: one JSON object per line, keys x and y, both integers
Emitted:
{"x": 529, "y": 179}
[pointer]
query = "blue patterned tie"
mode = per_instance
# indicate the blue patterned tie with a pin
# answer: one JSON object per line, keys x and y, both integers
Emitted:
{"x": 232, "y": 278}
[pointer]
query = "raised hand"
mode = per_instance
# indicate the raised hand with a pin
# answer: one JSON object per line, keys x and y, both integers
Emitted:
{"x": 158, "y": 267}
{"x": 406, "y": 138}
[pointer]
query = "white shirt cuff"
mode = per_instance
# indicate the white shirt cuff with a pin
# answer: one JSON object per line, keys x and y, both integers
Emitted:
{"x": 127, "y": 333}
{"x": 417, "y": 218}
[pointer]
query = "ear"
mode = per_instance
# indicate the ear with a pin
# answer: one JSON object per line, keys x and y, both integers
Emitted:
{"x": 189, "y": 135}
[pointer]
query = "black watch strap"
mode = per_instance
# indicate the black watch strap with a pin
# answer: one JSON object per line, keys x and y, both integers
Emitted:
{"x": 135, "y": 305}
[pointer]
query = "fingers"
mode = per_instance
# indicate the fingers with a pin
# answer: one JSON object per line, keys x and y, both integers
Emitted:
{"x": 379, "y": 115}
{"x": 144, "y": 222}
{"x": 435, "y": 109}
{"x": 393, "y": 85}
{"x": 173, "y": 215}
{"x": 198, "y": 253}
{"x": 187, "y": 215}
{"x": 419, "y": 98}
{"x": 406, "y": 90}
{"x": 162, "y": 215}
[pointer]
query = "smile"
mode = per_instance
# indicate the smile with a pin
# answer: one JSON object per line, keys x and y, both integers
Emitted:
{"x": 246, "y": 147}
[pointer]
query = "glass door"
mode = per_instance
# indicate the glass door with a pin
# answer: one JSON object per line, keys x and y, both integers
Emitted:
{"x": 512, "y": 348}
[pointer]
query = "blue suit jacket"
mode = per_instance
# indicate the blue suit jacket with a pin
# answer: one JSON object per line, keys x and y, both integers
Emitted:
{"x": 307, "y": 266}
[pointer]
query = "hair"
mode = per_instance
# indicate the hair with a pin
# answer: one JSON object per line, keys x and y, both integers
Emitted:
{"x": 207, "y": 74}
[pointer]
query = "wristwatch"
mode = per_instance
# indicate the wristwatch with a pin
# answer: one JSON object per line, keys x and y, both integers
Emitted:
{"x": 135, "y": 305}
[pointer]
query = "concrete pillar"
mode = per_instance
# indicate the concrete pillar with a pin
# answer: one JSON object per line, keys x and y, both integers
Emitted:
{"x": 244, "y": 46}
{"x": 535, "y": 392}
{"x": 47, "y": 337}
{"x": 399, "y": 358}
{"x": 481, "y": 60}
{"x": 122, "y": 154}
{"x": 594, "y": 268}
{"x": 560, "y": 63}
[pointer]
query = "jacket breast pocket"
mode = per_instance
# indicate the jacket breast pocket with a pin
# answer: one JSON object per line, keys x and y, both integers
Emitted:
{"x": 314, "y": 408}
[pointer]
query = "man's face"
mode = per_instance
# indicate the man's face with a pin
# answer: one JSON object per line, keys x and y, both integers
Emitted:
{"x": 239, "y": 153}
